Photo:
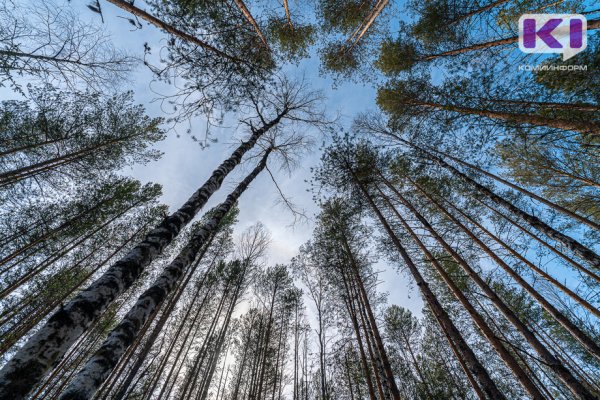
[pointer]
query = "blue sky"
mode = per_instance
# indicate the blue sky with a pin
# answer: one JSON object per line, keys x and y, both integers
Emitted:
{"x": 185, "y": 165}
{"x": 260, "y": 202}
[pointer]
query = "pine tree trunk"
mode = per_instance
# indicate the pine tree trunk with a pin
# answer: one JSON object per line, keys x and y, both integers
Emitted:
{"x": 363, "y": 357}
{"x": 545, "y": 104}
{"x": 375, "y": 362}
{"x": 591, "y": 25}
{"x": 473, "y": 364}
{"x": 548, "y": 246}
{"x": 480, "y": 10}
{"x": 129, "y": 7}
{"x": 564, "y": 374}
{"x": 30, "y": 146}
{"x": 267, "y": 342}
{"x": 480, "y": 322}
{"x": 365, "y": 25}
{"x": 248, "y": 15}
{"x": 371, "y": 318}
{"x": 579, "y": 249}
{"x": 532, "y": 266}
{"x": 577, "y": 334}
{"x": 286, "y": 6}
{"x": 511, "y": 185}
{"x": 29, "y": 171}
{"x": 41, "y": 351}
{"x": 584, "y": 127}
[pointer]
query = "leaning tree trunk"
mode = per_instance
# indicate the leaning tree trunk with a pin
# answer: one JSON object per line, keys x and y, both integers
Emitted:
{"x": 577, "y": 333}
{"x": 129, "y": 7}
{"x": 288, "y": 17}
{"x": 546, "y": 355}
{"x": 511, "y": 185}
{"x": 572, "y": 244}
{"x": 248, "y": 15}
{"x": 541, "y": 241}
{"x": 159, "y": 326}
{"x": 473, "y": 364}
{"x": 591, "y": 25}
{"x": 480, "y": 10}
{"x": 584, "y": 127}
{"x": 371, "y": 318}
{"x": 50, "y": 343}
{"x": 531, "y": 265}
{"x": 365, "y": 25}
{"x": 480, "y": 322}
{"x": 98, "y": 367}
{"x": 544, "y": 104}
{"x": 579, "y": 249}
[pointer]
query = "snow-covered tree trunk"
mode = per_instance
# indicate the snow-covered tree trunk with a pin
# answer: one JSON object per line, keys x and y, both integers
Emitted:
{"x": 99, "y": 366}
{"x": 50, "y": 343}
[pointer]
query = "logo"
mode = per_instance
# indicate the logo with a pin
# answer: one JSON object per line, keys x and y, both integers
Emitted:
{"x": 553, "y": 33}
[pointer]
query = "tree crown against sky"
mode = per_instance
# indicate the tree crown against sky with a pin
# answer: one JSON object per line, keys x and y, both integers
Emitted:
{"x": 444, "y": 238}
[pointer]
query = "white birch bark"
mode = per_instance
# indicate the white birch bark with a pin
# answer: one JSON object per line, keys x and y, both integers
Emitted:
{"x": 99, "y": 366}
{"x": 44, "y": 349}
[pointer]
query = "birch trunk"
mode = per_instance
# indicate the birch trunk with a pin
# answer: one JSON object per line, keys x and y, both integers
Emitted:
{"x": 50, "y": 343}
{"x": 99, "y": 366}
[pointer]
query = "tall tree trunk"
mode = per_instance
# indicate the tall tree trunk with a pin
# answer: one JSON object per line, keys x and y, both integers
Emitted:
{"x": 577, "y": 334}
{"x": 591, "y": 25}
{"x": 532, "y": 266}
{"x": 99, "y": 366}
{"x": 547, "y": 245}
{"x": 365, "y": 25}
{"x": 487, "y": 384}
{"x": 480, "y": 322}
{"x": 141, "y": 357}
{"x": 511, "y": 185}
{"x": 371, "y": 318}
{"x": 361, "y": 348}
{"x": 579, "y": 249}
{"x": 375, "y": 361}
{"x": 31, "y": 145}
{"x": 267, "y": 342}
{"x": 288, "y": 17}
{"x": 129, "y": 7}
{"x": 563, "y": 373}
{"x": 248, "y": 15}
{"x": 48, "y": 345}
{"x": 70, "y": 246}
{"x": 584, "y": 127}
{"x": 192, "y": 330}
{"x": 53, "y": 231}
{"x": 53, "y": 163}
{"x": 479, "y": 10}
{"x": 544, "y": 104}
{"x": 26, "y": 326}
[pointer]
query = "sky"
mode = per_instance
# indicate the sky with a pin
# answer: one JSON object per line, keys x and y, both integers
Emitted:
{"x": 185, "y": 165}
